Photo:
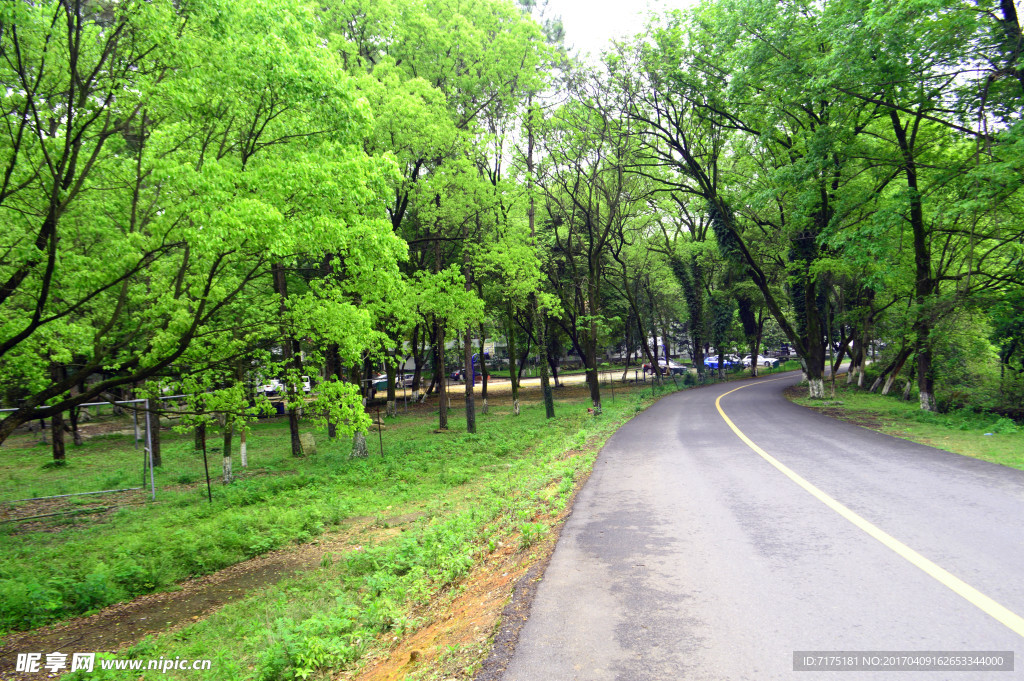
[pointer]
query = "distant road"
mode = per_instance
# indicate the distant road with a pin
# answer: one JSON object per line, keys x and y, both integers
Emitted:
{"x": 691, "y": 556}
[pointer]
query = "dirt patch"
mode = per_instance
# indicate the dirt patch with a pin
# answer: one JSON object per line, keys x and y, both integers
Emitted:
{"x": 52, "y": 515}
{"x": 29, "y": 436}
{"x": 125, "y": 624}
{"x": 464, "y": 620}
{"x": 472, "y": 630}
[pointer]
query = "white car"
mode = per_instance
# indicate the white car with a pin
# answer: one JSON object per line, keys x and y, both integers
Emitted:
{"x": 275, "y": 386}
{"x": 761, "y": 361}
{"x": 668, "y": 366}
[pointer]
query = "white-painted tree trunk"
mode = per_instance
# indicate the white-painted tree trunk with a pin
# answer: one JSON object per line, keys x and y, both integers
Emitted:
{"x": 242, "y": 451}
{"x": 227, "y": 469}
{"x": 483, "y": 409}
{"x": 816, "y": 388}
{"x": 889, "y": 381}
{"x": 927, "y": 401}
{"x": 391, "y": 409}
{"x": 359, "y": 450}
{"x": 515, "y": 407}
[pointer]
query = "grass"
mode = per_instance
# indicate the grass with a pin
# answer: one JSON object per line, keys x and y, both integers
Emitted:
{"x": 474, "y": 490}
{"x": 980, "y": 435}
{"x": 111, "y": 461}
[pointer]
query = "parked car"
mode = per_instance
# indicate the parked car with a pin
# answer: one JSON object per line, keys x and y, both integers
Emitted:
{"x": 668, "y": 366}
{"x": 728, "y": 361}
{"x": 378, "y": 382}
{"x": 275, "y": 386}
{"x": 761, "y": 361}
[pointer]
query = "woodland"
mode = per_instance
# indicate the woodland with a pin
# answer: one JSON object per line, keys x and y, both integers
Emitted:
{"x": 200, "y": 195}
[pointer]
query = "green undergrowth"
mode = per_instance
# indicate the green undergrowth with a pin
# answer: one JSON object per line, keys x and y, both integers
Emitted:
{"x": 501, "y": 485}
{"x": 112, "y": 461}
{"x": 84, "y": 564}
{"x": 981, "y": 435}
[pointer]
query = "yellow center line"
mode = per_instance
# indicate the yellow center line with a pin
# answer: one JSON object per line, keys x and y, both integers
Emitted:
{"x": 1004, "y": 615}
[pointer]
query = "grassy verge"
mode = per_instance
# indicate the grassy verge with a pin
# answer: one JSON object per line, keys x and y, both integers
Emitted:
{"x": 111, "y": 461}
{"x": 73, "y": 565}
{"x": 979, "y": 435}
{"x": 475, "y": 491}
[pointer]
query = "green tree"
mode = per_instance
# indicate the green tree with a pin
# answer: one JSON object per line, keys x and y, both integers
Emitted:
{"x": 149, "y": 194}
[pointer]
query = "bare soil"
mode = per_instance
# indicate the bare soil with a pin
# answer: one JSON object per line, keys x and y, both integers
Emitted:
{"x": 471, "y": 631}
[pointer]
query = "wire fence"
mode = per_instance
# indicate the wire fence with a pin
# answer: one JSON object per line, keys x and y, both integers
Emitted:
{"x": 107, "y": 463}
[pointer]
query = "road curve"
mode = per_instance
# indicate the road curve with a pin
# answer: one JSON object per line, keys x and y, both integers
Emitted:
{"x": 688, "y": 555}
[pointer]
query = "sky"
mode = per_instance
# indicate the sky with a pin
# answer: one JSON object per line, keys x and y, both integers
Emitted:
{"x": 590, "y": 24}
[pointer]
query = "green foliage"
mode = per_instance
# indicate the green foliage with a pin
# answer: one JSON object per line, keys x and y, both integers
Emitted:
{"x": 530, "y": 534}
{"x": 966, "y": 363}
{"x": 159, "y": 246}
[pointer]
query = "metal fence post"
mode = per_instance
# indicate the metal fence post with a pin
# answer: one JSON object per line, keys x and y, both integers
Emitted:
{"x": 135, "y": 415}
{"x": 149, "y": 448}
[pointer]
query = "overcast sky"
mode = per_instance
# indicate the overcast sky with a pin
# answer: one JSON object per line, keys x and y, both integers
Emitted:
{"x": 590, "y": 24}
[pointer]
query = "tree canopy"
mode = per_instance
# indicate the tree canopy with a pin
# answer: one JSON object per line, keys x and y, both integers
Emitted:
{"x": 204, "y": 195}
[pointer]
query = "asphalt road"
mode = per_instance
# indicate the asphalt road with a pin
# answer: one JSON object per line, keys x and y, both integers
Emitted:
{"x": 689, "y": 555}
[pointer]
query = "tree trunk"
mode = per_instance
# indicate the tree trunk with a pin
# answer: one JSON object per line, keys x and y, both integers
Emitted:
{"x": 554, "y": 362}
{"x": 690, "y": 277}
{"x": 332, "y": 361}
{"x": 513, "y": 370}
{"x": 524, "y": 358}
{"x": 814, "y": 363}
{"x": 897, "y": 368}
{"x": 76, "y": 434}
{"x": 856, "y": 359}
{"x": 153, "y": 424}
{"x": 757, "y": 341}
{"x": 591, "y": 345}
{"x": 200, "y": 437}
{"x": 655, "y": 365}
{"x": 628, "y": 347}
{"x": 291, "y": 358}
{"x": 467, "y": 356}
{"x": 391, "y": 369}
{"x": 359, "y": 449}
{"x": 892, "y": 369}
{"x": 439, "y": 376}
{"x": 229, "y": 430}
{"x": 924, "y": 284}
{"x": 549, "y": 400}
{"x": 545, "y": 385}
{"x": 57, "y": 436}
{"x": 482, "y": 361}
{"x": 293, "y": 430}
{"x": 242, "y": 452}
{"x": 651, "y": 354}
{"x": 417, "y": 362}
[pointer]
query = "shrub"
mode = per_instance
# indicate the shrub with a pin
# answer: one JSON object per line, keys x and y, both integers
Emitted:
{"x": 530, "y": 534}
